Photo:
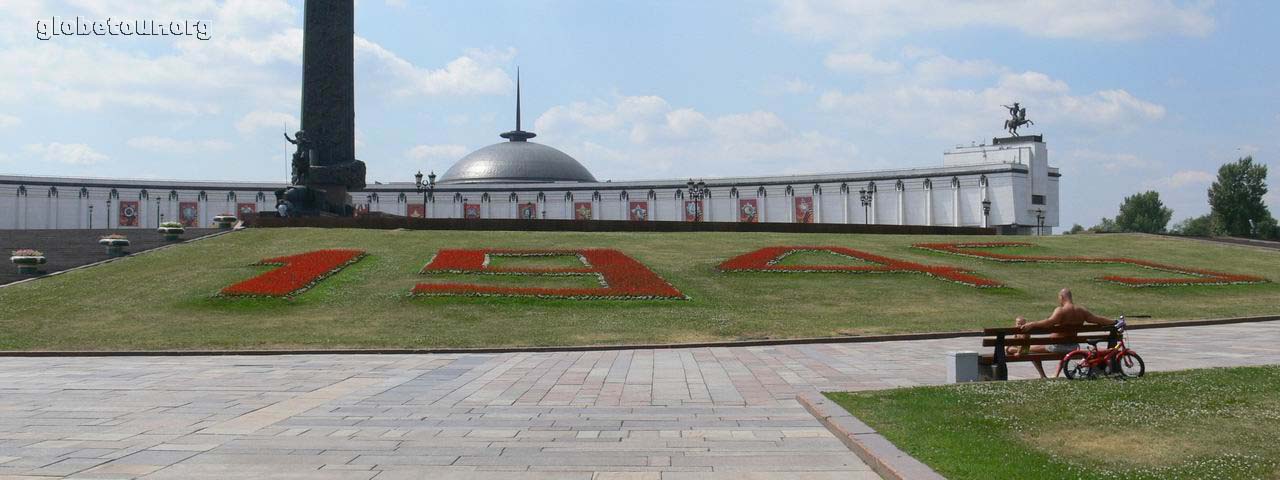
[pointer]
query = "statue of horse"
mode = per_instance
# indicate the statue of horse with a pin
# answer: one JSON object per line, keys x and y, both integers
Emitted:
{"x": 1012, "y": 125}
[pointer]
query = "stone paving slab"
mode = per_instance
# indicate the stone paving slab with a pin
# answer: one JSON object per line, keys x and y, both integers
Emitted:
{"x": 723, "y": 412}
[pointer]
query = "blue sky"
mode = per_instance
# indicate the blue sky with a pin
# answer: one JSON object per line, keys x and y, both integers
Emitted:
{"x": 1134, "y": 95}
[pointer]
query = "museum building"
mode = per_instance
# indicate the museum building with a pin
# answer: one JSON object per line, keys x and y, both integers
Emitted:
{"x": 1008, "y": 185}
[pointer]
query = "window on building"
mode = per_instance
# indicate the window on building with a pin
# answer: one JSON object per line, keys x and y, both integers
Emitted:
{"x": 1037, "y": 199}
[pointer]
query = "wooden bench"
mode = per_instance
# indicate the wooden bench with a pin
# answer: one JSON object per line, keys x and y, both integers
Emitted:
{"x": 994, "y": 365}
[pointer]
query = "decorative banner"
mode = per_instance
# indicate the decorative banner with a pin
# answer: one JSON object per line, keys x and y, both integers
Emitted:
{"x": 621, "y": 277}
{"x": 1200, "y": 277}
{"x": 804, "y": 209}
{"x": 528, "y": 211}
{"x": 582, "y": 211}
{"x": 766, "y": 260}
{"x": 693, "y": 211}
{"x": 189, "y": 214}
{"x": 748, "y": 210}
{"x": 296, "y": 273}
{"x": 416, "y": 210}
{"x": 361, "y": 210}
{"x": 638, "y": 211}
{"x": 128, "y": 214}
{"x": 246, "y": 210}
{"x": 470, "y": 211}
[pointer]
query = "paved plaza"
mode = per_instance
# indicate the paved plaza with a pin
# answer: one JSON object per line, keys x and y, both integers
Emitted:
{"x": 633, "y": 414}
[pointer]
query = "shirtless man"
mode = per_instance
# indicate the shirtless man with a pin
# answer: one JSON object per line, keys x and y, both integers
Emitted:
{"x": 1067, "y": 314}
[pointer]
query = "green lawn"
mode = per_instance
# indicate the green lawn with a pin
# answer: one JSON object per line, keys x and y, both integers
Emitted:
{"x": 1195, "y": 424}
{"x": 166, "y": 299}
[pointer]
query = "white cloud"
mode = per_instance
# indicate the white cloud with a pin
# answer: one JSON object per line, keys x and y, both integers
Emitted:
{"x": 937, "y": 68}
{"x": 867, "y": 22}
{"x": 67, "y": 153}
{"x": 860, "y": 63}
{"x": 436, "y": 152}
{"x": 258, "y": 121}
{"x": 1184, "y": 178}
{"x": 9, "y": 121}
{"x": 1108, "y": 162}
{"x": 253, "y": 58}
{"x": 796, "y": 86}
{"x": 173, "y": 145}
{"x": 647, "y": 137}
{"x": 950, "y": 113}
{"x": 475, "y": 73}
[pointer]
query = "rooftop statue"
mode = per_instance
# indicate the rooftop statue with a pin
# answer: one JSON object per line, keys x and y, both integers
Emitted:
{"x": 1017, "y": 118}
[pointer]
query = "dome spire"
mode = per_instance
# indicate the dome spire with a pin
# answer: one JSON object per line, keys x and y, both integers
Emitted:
{"x": 518, "y": 135}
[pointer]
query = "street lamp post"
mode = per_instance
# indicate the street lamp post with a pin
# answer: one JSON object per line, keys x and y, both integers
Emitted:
{"x": 91, "y": 216}
{"x": 865, "y": 197}
{"x": 696, "y": 192}
{"x": 986, "y": 213}
{"x": 1039, "y": 222}
{"x": 425, "y": 188}
{"x": 108, "y": 213}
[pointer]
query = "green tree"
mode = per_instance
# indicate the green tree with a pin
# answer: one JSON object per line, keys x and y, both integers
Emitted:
{"x": 1143, "y": 212}
{"x": 1236, "y": 198}
{"x": 1076, "y": 228}
{"x": 1201, "y": 226}
{"x": 1106, "y": 225}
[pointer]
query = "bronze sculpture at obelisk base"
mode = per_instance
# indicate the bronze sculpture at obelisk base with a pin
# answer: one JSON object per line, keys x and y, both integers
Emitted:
{"x": 325, "y": 168}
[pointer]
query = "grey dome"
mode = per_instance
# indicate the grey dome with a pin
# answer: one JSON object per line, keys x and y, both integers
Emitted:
{"x": 517, "y": 161}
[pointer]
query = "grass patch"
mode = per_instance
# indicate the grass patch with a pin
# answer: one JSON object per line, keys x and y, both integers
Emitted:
{"x": 166, "y": 299}
{"x": 1212, "y": 423}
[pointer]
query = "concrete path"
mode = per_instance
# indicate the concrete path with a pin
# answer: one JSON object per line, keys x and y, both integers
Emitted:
{"x": 637, "y": 414}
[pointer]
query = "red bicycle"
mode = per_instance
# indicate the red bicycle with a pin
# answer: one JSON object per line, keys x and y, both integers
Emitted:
{"x": 1092, "y": 362}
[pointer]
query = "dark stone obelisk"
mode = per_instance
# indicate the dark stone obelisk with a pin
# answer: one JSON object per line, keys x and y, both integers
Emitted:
{"x": 325, "y": 168}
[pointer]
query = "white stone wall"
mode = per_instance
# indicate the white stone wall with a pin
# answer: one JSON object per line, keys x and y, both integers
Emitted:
{"x": 1008, "y": 179}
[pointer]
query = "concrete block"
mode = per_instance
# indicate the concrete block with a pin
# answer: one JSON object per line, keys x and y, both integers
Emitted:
{"x": 962, "y": 367}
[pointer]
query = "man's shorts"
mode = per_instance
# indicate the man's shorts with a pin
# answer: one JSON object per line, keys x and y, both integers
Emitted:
{"x": 1063, "y": 348}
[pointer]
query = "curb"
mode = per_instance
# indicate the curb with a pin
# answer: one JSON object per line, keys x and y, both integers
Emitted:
{"x": 580, "y": 348}
{"x": 879, "y": 453}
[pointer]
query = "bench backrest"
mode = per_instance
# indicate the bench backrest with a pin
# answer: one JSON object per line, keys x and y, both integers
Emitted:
{"x": 1012, "y": 337}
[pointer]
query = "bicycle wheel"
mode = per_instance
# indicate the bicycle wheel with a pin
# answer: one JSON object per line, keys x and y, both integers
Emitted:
{"x": 1073, "y": 365}
{"x": 1129, "y": 364}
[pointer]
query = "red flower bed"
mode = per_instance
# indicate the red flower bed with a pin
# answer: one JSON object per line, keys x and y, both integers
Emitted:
{"x": 296, "y": 273}
{"x": 766, "y": 260}
{"x": 1202, "y": 277}
{"x": 621, "y": 277}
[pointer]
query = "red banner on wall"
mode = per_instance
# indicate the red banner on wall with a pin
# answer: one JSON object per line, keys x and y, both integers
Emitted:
{"x": 748, "y": 210}
{"x": 582, "y": 211}
{"x": 528, "y": 211}
{"x": 804, "y": 209}
{"x": 246, "y": 210}
{"x": 189, "y": 214}
{"x": 470, "y": 210}
{"x": 638, "y": 211}
{"x": 694, "y": 210}
{"x": 416, "y": 210}
{"x": 129, "y": 214}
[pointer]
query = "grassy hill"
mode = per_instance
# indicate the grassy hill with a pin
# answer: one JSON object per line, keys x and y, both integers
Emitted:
{"x": 167, "y": 299}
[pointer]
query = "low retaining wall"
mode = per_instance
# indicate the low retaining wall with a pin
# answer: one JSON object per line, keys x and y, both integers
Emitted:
{"x": 388, "y": 222}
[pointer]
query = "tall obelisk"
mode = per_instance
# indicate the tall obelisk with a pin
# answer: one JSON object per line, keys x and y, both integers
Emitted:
{"x": 325, "y": 166}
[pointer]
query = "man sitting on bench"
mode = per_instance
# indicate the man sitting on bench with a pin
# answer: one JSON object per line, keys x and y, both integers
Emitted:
{"x": 1067, "y": 314}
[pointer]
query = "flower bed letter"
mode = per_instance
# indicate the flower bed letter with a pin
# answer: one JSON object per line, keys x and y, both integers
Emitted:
{"x": 1201, "y": 277}
{"x": 766, "y": 260}
{"x": 621, "y": 277}
{"x": 296, "y": 273}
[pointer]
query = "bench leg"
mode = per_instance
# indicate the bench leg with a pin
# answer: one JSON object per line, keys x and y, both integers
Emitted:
{"x": 985, "y": 373}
